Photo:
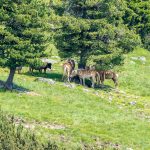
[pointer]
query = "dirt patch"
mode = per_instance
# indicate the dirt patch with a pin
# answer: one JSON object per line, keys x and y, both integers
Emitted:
{"x": 45, "y": 80}
{"x": 33, "y": 124}
{"x": 102, "y": 145}
{"x": 52, "y": 126}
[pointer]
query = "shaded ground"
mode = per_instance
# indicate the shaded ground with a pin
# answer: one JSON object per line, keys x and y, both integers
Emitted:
{"x": 51, "y": 75}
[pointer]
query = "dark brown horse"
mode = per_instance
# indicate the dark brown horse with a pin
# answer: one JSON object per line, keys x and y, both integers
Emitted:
{"x": 40, "y": 68}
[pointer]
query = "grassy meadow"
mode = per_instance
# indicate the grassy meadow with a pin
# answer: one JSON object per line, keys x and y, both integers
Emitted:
{"x": 84, "y": 118}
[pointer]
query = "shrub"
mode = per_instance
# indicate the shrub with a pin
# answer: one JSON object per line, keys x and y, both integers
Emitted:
{"x": 14, "y": 137}
{"x": 36, "y": 63}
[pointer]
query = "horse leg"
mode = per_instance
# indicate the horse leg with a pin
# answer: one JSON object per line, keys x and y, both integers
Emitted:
{"x": 97, "y": 79}
{"x": 68, "y": 75}
{"x": 83, "y": 81}
{"x": 93, "y": 80}
{"x": 68, "y": 78}
{"x": 102, "y": 82}
{"x": 63, "y": 76}
{"x": 102, "y": 79}
{"x": 115, "y": 82}
{"x": 80, "y": 81}
{"x": 64, "y": 73}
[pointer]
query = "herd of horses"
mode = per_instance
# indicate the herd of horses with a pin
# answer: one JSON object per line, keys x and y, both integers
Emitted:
{"x": 96, "y": 76}
{"x": 69, "y": 71}
{"x": 39, "y": 68}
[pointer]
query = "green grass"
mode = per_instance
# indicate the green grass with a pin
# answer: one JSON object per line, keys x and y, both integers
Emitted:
{"x": 100, "y": 118}
{"x": 134, "y": 75}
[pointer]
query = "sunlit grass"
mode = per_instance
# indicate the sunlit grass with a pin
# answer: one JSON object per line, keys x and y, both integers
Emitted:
{"x": 93, "y": 118}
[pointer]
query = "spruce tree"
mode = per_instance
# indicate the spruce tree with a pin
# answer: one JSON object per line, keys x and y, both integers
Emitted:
{"x": 93, "y": 31}
{"x": 22, "y": 33}
{"x": 137, "y": 17}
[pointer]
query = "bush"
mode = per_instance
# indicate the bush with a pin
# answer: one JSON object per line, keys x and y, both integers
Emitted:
{"x": 36, "y": 63}
{"x": 14, "y": 137}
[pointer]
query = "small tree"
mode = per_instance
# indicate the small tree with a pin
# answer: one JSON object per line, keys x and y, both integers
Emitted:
{"x": 22, "y": 34}
{"x": 15, "y": 137}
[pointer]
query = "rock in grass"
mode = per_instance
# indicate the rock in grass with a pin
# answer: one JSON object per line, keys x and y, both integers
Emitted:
{"x": 129, "y": 149}
{"x": 134, "y": 58}
{"x": 49, "y": 81}
{"x": 140, "y": 58}
{"x": 69, "y": 85}
{"x": 132, "y": 103}
{"x": 96, "y": 93}
{"x": 110, "y": 98}
{"x": 132, "y": 62}
{"x": 86, "y": 90}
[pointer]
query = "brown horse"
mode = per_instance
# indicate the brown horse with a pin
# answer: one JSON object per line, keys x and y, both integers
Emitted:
{"x": 84, "y": 73}
{"x": 68, "y": 67}
{"x": 108, "y": 75}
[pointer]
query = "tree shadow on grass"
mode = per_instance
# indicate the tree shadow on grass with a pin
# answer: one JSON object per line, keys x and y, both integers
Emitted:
{"x": 16, "y": 88}
{"x": 106, "y": 88}
{"x": 51, "y": 75}
{"x": 88, "y": 83}
{"x": 58, "y": 77}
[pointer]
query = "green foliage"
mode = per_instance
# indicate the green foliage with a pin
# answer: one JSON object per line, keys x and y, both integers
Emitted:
{"x": 22, "y": 31}
{"x": 35, "y": 63}
{"x": 93, "y": 31}
{"x": 137, "y": 17}
{"x": 16, "y": 137}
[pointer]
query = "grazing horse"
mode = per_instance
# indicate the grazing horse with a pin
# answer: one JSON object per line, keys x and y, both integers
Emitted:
{"x": 19, "y": 69}
{"x": 40, "y": 68}
{"x": 68, "y": 67}
{"x": 84, "y": 73}
{"x": 108, "y": 75}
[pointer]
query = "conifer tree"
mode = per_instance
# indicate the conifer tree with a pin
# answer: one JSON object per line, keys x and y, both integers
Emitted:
{"x": 93, "y": 31}
{"x": 22, "y": 33}
{"x": 137, "y": 17}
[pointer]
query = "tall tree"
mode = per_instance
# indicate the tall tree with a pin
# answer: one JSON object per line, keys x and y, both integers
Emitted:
{"x": 137, "y": 17}
{"x": 93, "y": 31}
{"x": 22, "y": 33}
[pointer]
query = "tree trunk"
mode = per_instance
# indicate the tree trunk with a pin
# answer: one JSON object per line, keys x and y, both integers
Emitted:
{"x": 9, "y": 82}
{"x": 82, "y": 63}
{"x": 81, "y": 66}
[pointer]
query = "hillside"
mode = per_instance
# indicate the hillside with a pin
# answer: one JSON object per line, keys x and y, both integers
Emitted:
{"x": 77, "y": 117}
